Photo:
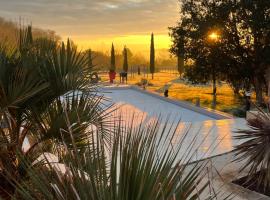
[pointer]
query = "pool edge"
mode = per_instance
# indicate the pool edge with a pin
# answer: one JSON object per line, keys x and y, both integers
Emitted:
{"x": 217, "y": 115}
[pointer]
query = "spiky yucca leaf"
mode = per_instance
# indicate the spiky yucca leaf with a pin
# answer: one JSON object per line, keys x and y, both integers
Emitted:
{"x": 255, "y": 151}
{"x": 140, "y": 163}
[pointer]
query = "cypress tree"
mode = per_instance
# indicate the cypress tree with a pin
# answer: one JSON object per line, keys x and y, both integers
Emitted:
{"x": 112, "y": 59}
{"x": 125, "y": 63}
{"x": 152, "y": 56}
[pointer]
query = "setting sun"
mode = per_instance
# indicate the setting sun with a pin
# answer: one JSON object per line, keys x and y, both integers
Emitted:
{"x": 214, "y": 36}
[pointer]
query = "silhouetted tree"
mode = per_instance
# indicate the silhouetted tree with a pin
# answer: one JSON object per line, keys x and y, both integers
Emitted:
{"x": 113, "y": 67}
{"x": 152, "y": 56}
{"x": 240, "y": 56}
{"x": 125, "y": 62}
{"x": 255, "y": 23}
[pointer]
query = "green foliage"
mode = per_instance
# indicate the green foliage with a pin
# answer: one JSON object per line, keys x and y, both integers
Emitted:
{"x": 237, "y": 112}
{"x": 152, "y": 56}
{"x": 195, "y": 75}
{"x": 125, "y": 62}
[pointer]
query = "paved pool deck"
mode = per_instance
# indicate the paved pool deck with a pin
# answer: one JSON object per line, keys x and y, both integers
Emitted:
{"x": 210, "y": 132}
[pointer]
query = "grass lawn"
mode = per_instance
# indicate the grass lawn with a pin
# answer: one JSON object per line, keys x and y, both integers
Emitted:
{"x": 179, "y": 90}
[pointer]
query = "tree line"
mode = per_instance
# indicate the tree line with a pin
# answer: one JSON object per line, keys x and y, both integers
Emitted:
{"x": 240, "y": 55}
{"x": 102, "y": 60}
{"x": 127, "y": 53}
{"x": 8, "y": 28}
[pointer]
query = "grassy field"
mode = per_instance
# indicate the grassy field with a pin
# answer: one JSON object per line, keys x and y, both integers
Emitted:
{"x": 179, "y": 90}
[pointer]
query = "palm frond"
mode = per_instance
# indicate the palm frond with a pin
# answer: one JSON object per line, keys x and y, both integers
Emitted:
{"x": 85, "y": 115}
{"x": 67, "y": 70}
{"x": 17, "y": 84}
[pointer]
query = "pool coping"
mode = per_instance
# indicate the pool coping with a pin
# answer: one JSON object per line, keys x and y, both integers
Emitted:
{"x": 217, "y": 115}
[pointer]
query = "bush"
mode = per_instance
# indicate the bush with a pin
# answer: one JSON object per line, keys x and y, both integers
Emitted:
{"x": 144, "y": 82}
{"x": 237, "y": 112}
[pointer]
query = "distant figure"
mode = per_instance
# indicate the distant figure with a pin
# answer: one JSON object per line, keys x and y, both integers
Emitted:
{"x": 198, "y": 102}
{"x": 144, "y": 83}
{"x": 123, "y": 77}
{"x": 166, "y": 93}
{"x": 139, "y": 71}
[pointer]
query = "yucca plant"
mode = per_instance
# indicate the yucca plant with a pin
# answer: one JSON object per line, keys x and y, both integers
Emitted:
{"x": 40, "y": 83}
{"x": 254, "y": 152}
{"x": 140, "y": 163}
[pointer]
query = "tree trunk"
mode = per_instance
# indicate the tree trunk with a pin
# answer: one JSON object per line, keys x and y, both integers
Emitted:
{"x": 152, "y": 76}
{"x": 236, "y": 90}
{"x": 259, "y": 91}
{"x": 267, "y": 77}
{"x": 9, "y": 173}
{"x": 214, "y": 87}
{"x": 214, "y": 102}
{"x": 268, "y": 93}
{"x": 180, "y": 65}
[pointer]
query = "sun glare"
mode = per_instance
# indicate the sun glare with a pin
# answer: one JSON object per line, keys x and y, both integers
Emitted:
{"x": 214, "y": 36}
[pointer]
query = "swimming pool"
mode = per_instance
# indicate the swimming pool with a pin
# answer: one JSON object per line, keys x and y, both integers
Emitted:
{"x": 211, "y": 132}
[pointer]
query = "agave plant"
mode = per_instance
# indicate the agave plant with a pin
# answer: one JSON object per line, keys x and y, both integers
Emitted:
{"x": 254, "y": 152}
{"x": 42, "y": 82}
{"x": 140, "y": 163}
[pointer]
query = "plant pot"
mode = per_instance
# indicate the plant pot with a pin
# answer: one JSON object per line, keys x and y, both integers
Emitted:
{"x": 112, "y": 76}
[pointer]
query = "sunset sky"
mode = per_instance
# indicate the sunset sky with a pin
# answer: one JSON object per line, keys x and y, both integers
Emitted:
{"x": 98, "y": 23}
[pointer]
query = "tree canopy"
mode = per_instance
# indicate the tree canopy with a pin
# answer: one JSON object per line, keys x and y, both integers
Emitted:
{"x": 239, "y": 56}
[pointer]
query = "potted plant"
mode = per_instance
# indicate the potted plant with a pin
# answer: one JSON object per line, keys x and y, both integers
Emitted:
{"x": 112, "y": 75}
